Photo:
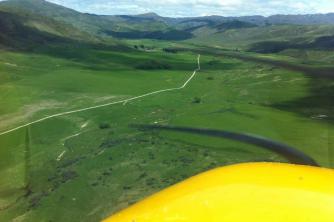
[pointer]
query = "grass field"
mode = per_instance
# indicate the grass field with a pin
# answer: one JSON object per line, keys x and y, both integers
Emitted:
{"x": 87, "y": 165}
{"x": 257, "y": 77}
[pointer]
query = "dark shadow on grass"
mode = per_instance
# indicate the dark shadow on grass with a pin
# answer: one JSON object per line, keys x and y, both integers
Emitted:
{"x": 290, "y": 153}
{"x": 318, "y": 104}
{"x": 176, "y": 35}
{"x": 322, "y": 43}
{"x": 235, "y": 112}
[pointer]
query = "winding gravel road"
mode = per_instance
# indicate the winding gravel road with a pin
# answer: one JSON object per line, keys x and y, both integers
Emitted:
{"x": 108, "y": 104}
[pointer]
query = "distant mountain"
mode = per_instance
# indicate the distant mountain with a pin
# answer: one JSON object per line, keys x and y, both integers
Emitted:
{"x": 81, "y": 21}
{"x": 321, "y": 43}
{"x": 97, "y": 25}
{"x": 312, "y": 19}
{"x": 235, "y": 24}
{"x": 22, "y": 30}
{"x": 151, "y": 15}
{"x": 52, "y": 19}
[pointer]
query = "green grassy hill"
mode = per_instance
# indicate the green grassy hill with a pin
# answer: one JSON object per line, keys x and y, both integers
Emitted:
{"x": 294, "y": 41}
{"x": 95, "y": 25}
{"x": 246, "y": 36}
{"x": 81, "y": 21}
{"x": 234, "y": 31}
{"x": 27, "y": 32}
{"x": 107, "y": 165}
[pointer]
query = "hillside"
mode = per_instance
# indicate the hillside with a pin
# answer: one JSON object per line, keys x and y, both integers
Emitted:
{"x": 46, "y": 9}
{"x": 25, "y": 32}
{"x": 150, "y": 25}
{"x": 94, "y": 24}
{"x": 30, "y": 23}
{"x": 243, "y": 38}
{"x": 23, "y": 28}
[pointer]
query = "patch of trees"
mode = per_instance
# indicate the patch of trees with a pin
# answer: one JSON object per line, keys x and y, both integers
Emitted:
{"x": 126, "y": 187}
{"x": 170, "y": 50}
{"x": 270, "y": 46}
{"x": 235, "y": 24}
{"x": 143, "y": 47}
{"x": 160, "y": 35}
{"x": 111, "y": 143}
{"x": 143, "y": 175}
{"x": 151, "y": 182}
{"x": 186, "y": 160}
{"x": 36, "y": 199}
{"x": 153, "y": 65}
{"x": 68, "y": 175}
{"x": 324, "y": 43}
{"x": 213, "y": 62}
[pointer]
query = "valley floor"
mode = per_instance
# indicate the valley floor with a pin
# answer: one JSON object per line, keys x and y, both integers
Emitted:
{"x": 87, "y": 165}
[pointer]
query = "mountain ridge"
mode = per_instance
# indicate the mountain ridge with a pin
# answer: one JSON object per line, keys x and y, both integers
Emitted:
{"x": 43, "y": 17}
{"x": 317, "y": 18}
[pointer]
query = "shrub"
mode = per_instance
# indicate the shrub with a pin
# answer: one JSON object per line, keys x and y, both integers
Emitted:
{"x": 104, "y": 126}
{"x": 197, "y": 100}
{"x": 152, "y": 65}
{"x": 170, "y": 50}
{"x": 213, "y": 62}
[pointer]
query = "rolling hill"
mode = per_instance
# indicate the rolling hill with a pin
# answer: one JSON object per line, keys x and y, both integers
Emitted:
{"x": 149, "y": 26}
{"x": 25, "y": 32}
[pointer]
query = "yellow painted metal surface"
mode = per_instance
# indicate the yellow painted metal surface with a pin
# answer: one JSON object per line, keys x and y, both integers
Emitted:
{"x": 256, "y": 192}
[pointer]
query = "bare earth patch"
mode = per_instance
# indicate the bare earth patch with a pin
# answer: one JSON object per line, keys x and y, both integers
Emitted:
{"x": 28, "y": 111}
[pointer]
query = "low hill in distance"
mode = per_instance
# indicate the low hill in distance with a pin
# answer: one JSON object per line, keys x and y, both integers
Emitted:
{"x": 30, "y": 23}
{"x": 149, "y": 26}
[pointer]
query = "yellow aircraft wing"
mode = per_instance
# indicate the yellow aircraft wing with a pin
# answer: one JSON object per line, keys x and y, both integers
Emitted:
{"x": 255, "y": 192}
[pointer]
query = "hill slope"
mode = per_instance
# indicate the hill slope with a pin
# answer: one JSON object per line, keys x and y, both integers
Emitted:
{"x": 121, "y": 26}
{"x": 25, "y": 32}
